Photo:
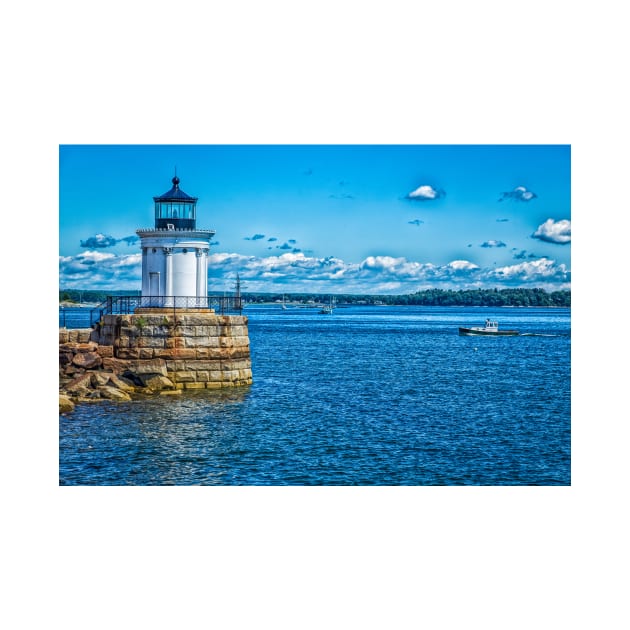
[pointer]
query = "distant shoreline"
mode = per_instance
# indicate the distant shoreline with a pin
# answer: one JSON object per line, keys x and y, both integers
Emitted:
{"x": 293, "y": 305}
{"x": 487, "y": 298}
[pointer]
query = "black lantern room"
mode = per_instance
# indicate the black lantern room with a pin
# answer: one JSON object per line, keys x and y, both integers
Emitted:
{"x": 175, "y": 210}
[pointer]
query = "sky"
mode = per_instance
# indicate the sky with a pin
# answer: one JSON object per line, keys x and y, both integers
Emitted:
{"x": 338, "y": 218}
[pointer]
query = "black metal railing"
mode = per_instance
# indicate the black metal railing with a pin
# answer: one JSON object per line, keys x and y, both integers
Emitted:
{"x": 127, "y": 304}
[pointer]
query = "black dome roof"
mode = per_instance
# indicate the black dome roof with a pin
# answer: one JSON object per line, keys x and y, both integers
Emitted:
{"x": 175, "y": 194}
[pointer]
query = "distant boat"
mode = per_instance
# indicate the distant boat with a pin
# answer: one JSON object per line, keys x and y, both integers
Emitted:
{"x": 327, "y": 309}
{"x": 490, "y": 329}
{"x": 284, "y": 306}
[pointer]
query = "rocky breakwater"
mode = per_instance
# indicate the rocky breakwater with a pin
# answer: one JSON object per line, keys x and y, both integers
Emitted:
{"x": 152, "y": 352}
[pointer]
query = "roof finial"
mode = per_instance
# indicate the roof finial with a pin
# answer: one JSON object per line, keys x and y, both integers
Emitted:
{"x": 175, "y": 179}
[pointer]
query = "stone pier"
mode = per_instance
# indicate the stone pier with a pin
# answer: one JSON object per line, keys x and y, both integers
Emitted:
{"x": 153, "y": 351}
{"x": 194, "y": 348}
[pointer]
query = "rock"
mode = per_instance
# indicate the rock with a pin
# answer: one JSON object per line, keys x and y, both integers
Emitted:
{"x": 100, "y": 378}
{"x": 84, "y": 335}
{"x": 121, "y": 384}
{"x": 65, "y": 404}
{"x": 80, "y": 385}
{"x": 87, "y": 360}
{"x": 113, "y": 393}
{"x": 105, "y": 352}
{"x": 86, "y": 346}
{"x": 65, "y": 358}
{"x": 157, "y": 382}
{"x": 115, "y": 365}
{"x": 133, "y": 378}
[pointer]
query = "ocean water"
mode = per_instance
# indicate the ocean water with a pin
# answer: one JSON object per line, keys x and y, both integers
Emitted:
{"x": 366, "y": 396}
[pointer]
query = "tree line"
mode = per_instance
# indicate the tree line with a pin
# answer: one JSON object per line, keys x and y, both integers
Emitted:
{"x": 433, "y": 297}
{"x": 428, "y": 297}
{"x": 78, "y": 296}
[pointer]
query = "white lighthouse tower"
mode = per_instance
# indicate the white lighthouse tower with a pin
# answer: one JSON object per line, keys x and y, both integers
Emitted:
{"x": 175, "y": 253}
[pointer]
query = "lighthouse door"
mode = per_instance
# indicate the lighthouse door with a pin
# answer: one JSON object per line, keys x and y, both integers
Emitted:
{"x": 154, "y": 286}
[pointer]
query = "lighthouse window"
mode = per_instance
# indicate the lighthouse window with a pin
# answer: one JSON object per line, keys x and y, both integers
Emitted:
{"x": 154, "y": 250}
{"x": 185, "y": 250}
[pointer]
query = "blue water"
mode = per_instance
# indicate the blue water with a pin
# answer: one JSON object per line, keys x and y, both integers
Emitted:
{"x": 367, "y": 396}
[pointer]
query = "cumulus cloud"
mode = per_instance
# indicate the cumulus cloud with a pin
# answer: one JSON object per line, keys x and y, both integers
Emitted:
{"x": 554, "y": 231}
{"x": 382, "y": 274}
{"x": 539, "y": 272}
{"x": 493, "y": 243}
{"x": 502, "y": 220}
{"x": 295, "y": 271}
{"x": 425, "y": 193}
{"x": 271, "y": 239}
{"x": 99, "y": 240}
{"x": 102, "y": 241}
{"x": 520, "y": 193}
{"x": 462, "y": 265}
{"x": 256, "y": 237}
{"x": 522, "y": 255}
{"x": 100, "y": 270}
{"x": 415, "y": 222}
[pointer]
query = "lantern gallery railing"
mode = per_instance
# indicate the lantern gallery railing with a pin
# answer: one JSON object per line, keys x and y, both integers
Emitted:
{"x": 127, "y": 304}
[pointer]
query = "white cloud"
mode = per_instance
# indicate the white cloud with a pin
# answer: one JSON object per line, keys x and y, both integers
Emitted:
{"x": 520, "y": 193}
{"x": 424, "y": 193}
{"x": 554, "y": 231}
{"x": 100, "y": 270}
{"x": 541, "y": 272}
{"x": 462, "y": 265}
{"x": 525, "y": 194}
{"x": 296, "y": 272}
{"x": 99, "y": 240}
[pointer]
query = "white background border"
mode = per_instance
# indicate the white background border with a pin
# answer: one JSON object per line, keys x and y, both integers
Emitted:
{"x": 342, "y": 72}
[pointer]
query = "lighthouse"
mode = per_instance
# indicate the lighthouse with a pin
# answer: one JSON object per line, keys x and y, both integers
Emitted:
{"x": 169, "y": 337}
{"x": 175, "y": 253}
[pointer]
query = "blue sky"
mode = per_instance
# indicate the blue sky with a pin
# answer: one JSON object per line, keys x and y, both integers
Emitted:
{"x": 327, "y": 218}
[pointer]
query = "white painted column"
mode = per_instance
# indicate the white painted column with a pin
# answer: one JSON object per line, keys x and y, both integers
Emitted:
{"x": 205, "y": 273}
{"x": 199, "y": 255}
{"x": 168, "y": 280}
